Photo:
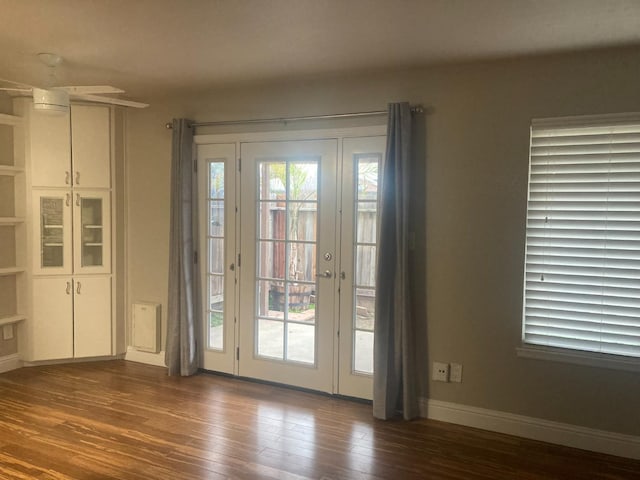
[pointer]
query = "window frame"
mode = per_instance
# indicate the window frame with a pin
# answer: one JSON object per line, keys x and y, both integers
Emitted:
{"x": 569, "y": 354}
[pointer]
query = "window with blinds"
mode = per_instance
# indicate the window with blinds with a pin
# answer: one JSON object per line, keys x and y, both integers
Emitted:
{"x": 582, "y": 263}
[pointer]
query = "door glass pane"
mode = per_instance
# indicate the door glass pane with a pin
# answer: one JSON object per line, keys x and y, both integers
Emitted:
{"x": 300, "y": 342}
{"x": 366, "y": 222}
{"x": 301, "y": 261}
{"x": 363, "y": 358}
{"x": 302, "y": 220}
{"x": 91, "y": 220}
{"x": 365, "y": 265}
{"x": 271, "y": 339}
{"x": 365, "y": 308}
{"x": 216, "y": 180}
{"x": 303, "y": 180}
{"x": 51, "y": 228}
{"x": 216, "y": 218}
{"x": 272, "y": 260}
{"x": 364, "y": 249}
{"x": 216, "y": 254}
{"x": 272, "y": 220}
{"x": 286, "y": 268}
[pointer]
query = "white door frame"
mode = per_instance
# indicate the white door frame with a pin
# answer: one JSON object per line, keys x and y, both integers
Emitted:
{"x": 292, "y": 135}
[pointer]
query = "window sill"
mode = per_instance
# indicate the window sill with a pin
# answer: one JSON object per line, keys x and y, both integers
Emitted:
{"x": 592, "y": 359}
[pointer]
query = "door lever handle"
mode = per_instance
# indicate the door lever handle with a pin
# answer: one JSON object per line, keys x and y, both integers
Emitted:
{"x": 325, "y": 274}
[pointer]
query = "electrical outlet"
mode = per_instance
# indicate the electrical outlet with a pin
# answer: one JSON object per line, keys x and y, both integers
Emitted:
{"x": 440, "y": 372}
{"x": 455, "y": 372}
{"x": 7, "y": 332}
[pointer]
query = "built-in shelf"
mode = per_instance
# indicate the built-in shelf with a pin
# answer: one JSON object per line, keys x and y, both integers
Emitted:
{"x": 10, "y": 170}
{"x": 9, "y": 319}
{"x": 92, "y": 226}
{"x": 10, "y": 119}
{"x": 53, "y": 226}
{"x": 10, "y": 271}
{"x": 11, "y": 220}
{"x": 53, "y": 244}
{"x": 92, "y": 244}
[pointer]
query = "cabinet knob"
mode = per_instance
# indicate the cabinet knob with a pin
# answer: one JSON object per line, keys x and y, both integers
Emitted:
{"x": 78, "y": 288}
{"x": 67, "y": 177}
{"x": 68, "y": 202}
{"x": 78, "y": 199}
{"x": 68, "y": 288}
{"x": 77, "y": 182}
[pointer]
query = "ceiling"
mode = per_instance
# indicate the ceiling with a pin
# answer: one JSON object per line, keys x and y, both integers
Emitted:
{"x": 154, "y": 47}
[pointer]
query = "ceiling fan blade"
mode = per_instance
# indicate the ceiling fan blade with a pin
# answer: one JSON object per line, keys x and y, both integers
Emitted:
{"x": 112, "y": 101}
{"x": 11, "y": 82}
{"x": 90, "y": 89}
{"x": 11, "y": 89}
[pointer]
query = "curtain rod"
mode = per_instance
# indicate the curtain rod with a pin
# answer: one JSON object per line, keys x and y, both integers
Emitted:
{"x": 416, "y": 109}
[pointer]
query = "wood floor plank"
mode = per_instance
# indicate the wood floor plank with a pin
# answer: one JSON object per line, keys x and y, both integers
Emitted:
{"x": 121, "y": 420}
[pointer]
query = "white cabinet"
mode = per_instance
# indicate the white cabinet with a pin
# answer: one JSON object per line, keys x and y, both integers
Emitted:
{"x": 92, "y": 316}
{"x": 75, "y": 317}
{"x": 49, "y": 149}
{"x": 58, "y": 213}
{"x": 71, "y": 150}
{"x": 91, "y": 232}
{"x": 51, "y": 337}
{"x": 69, "y": 173}
{"x": 52, "y": 232}
{"x": 90, "y": 146}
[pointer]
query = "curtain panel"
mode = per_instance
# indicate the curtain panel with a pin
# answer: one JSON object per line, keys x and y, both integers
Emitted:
{"x": 184, "y": 309}
{"x": 395, "y": 381}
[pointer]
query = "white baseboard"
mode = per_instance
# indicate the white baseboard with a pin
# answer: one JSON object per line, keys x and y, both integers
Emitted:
{"x": 63, "y": 361}
{"x": 533, "y": 428}
{"x": 10, "y": 362}
{"x": 134, "y": 355}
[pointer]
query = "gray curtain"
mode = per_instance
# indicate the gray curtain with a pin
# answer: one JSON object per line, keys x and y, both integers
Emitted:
{"x": 395, "y": 382}
{"x": 183, "y": 316}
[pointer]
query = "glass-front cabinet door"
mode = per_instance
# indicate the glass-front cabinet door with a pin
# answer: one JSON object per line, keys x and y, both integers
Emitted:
{"x": 92, "y": 233}
{"x": 52, "y": 226}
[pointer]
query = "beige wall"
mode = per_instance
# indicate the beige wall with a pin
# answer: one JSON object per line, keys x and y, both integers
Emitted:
{"x": 476, "y": 173}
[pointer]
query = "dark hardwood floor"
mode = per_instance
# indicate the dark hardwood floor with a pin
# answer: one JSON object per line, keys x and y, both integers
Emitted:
{"x": 121, "y": 420}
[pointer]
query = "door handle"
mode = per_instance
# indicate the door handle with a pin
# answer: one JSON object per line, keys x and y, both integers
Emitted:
{"x": 68, "y": 202}
{"x": 77, "y": 182}
{"x": 78, "y": 288}
{"x": 68, "y": 288}
{"x": 78, "y": 199}
{"x": 325, "y": 274}
{"x": 67, "y": 177}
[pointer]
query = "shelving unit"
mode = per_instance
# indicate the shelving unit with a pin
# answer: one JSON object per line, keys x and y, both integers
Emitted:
{"x": 10, "y": 170}
{"x": 10, "y": 120}
{"x": 11, "y": 319}
{"x": 10, "y": 271}
{"x": 12, "y": 221}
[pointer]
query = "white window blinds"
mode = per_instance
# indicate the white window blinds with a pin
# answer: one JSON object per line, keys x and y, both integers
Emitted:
{"x": 582, "y": 265}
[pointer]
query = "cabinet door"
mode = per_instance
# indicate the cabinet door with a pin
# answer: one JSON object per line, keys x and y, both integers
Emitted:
{"x": 52, "y": 232}
{"x": 52, "y": 330}
{"x": 50, "y": 142}
{"x": 92, "y": 232}
{"x": 91, "y": 146}
{"x": 92, "y": 316}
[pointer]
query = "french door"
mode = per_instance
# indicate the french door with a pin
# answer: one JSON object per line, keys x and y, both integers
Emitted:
{"x": 289, "y": 230}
